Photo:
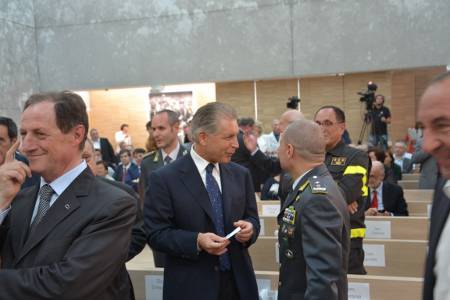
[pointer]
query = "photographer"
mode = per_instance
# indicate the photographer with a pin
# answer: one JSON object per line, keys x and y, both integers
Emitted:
{"x": 380, "y": 117}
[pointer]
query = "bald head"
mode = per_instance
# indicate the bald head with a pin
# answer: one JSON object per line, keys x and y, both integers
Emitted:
{"x": 307, "y": 139}
{"x": 289, "y": 117}
{"x": 376, "y": 174}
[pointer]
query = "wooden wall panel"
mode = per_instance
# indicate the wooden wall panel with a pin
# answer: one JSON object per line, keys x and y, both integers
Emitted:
{"x": 272, "y": 97}
{"x": 238, "y": 94}
{"x": 320, "y": 91}
{"x": 353, "y": 107}
{"x": 111, "y": 108}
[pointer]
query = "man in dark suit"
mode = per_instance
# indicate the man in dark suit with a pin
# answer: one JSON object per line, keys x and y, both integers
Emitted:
{"x": 68, "y": 237}
{"x": 314, "y": 234}
{"x": 164, "y": 126}
{"x": 8, "y": 136}
{"x": 434, "y": 115}
{"x": 104, "y": 146}
{"x": 242, "y": 155}
{"x": 127, "y": 172}
{"x": 386, "y": 199}
{"x": 138, "y": 234}
{"x": 193, "y": 203}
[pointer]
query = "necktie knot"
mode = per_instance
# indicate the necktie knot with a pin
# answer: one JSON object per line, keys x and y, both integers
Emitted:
{"x": 167, "y": 160}
{"x": 46, "y": 193}
{"x": 209, "y": 168}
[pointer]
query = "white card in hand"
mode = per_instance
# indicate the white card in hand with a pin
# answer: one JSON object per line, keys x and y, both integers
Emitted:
{"x": 233, "y": 233}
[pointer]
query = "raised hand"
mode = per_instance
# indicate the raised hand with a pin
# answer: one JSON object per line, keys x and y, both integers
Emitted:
{"x": 12, "y": 174}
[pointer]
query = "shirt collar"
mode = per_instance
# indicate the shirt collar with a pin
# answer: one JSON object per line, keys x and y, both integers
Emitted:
{"x": 173, "y": 155}
{"x": 447, "y": 188}
{"x": 60, "y": 184}
{"x": 200, "y": 162}
{"x": 299, "y": 178}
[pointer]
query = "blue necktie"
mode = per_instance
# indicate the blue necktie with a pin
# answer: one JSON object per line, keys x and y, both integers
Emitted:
{"x": 216, "y": 201}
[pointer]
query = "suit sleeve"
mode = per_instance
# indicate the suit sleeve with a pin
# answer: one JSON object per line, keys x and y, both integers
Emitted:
{"x": 163, "y": 235}
{"x": 265, "y": 163}
{"x": 138, "y": 234}
{"x": 89, "y": 266}
{"x": 321, "y": 227}
{"x": 251, "y": 210}
{"x": 402, "y": 207}
{"x": 353, "y": 183}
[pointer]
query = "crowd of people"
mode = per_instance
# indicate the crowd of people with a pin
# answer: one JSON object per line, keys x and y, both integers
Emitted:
{"x": 73, "y": 209}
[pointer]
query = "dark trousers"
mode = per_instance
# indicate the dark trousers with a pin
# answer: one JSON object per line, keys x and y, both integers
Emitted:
{"x": 356, "y": 261}
{"x": 227, "y": 287}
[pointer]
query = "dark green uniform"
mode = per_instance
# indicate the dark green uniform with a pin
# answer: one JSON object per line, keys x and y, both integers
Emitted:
{"x": 314, "y": 240}
{"x": 349, "y": 168}
{"x": 152, "y": 162}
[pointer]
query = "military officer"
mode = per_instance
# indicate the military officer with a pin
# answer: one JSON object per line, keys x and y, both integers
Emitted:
{"x": 349, "y": 168}
{"x": 314, "y": 221}
{"x": 165, "y": 126}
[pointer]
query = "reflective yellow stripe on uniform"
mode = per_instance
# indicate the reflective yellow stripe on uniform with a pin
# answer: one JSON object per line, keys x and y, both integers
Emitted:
{"x": 350, "y": 170}
{"x": 357, "y": 233}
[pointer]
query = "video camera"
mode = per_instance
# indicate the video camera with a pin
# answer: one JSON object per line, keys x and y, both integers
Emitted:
{"x": 293, "y": 102}
{"x": 369, "y": 96}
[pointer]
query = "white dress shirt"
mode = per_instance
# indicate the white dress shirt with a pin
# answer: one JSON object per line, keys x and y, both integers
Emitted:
{"x": 442, "y": 266}
{"x": 201, "y": 165}
{"x": 59, "y": 185}
{"x": 173, "y": 155}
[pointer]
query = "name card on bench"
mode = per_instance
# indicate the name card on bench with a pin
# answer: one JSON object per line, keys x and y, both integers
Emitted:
{"x": 378, "y": 229}
{"x": 358, "y": 291}
{"x": 374, "y": 255}
{"x": 271, "y": 210}
{"x": 154, "y": 287}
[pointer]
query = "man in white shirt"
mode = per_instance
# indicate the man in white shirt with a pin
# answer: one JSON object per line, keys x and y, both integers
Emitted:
{"x": 56, "y": 237}
{"x": 123, "y": 136}
{"x": 269, "y": 143}
{"x": 434, "y": 115}
{"x": 401, "y": 157}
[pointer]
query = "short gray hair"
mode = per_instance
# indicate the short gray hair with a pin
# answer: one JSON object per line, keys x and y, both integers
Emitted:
{"x": 307, "y": 139}
{"x": 207, "y": 117}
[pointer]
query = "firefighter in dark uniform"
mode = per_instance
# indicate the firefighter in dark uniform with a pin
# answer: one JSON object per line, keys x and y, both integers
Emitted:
{"x": 349, "y": 168}
{"x": 314, "y": 221}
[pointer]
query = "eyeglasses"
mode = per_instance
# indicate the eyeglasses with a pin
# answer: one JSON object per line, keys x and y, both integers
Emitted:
{"x": 326, "y": 123}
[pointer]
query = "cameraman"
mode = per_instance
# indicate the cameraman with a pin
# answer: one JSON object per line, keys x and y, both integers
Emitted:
{"x": 381, "y": 116}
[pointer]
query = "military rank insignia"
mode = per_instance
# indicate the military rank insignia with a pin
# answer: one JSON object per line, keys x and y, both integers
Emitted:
{"x": 317, "y": 188}
{"x": 289, "y": 215}
{"x": 338, "y": 160}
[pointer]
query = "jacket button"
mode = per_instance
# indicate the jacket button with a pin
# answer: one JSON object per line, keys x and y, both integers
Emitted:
{"x": 216, "y": 268}
{"x": 279, "y": 283}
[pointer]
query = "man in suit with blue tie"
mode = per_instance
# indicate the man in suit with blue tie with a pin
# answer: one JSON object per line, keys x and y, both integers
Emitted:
{"x": 127, "y": 172}
{"x": 434, "y": 115}
{"x": 193, "y": 203}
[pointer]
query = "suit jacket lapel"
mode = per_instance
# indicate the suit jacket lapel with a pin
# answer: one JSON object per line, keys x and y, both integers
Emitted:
{"x": 439, "y": 213}
{"x": 64, "y": 206}
{"x": 226, "y": 180}
{"x": 22, "y": 215}
{"x": 194, "y": 184}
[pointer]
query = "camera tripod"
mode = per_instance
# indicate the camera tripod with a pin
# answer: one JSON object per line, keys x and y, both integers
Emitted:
{"x": 366, "y": 122}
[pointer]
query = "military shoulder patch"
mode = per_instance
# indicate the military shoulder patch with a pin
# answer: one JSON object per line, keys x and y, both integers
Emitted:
{"x": 317, "y": 187}
{"x": 338, "y": 160}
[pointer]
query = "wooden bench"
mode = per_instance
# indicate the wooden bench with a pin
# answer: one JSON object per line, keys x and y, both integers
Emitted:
{"x": 409, "y": 184}
{"x": 418, "y": 195}
{"x": 411, "y": 176}
{"x": 408, "y": 228}
{"x": 148, "y": 282}
{"x": 400, "y": 257}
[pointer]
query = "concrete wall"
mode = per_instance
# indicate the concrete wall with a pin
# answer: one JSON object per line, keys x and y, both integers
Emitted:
{"x": 123, "y": 43}
{"x": 18, "y": 67}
